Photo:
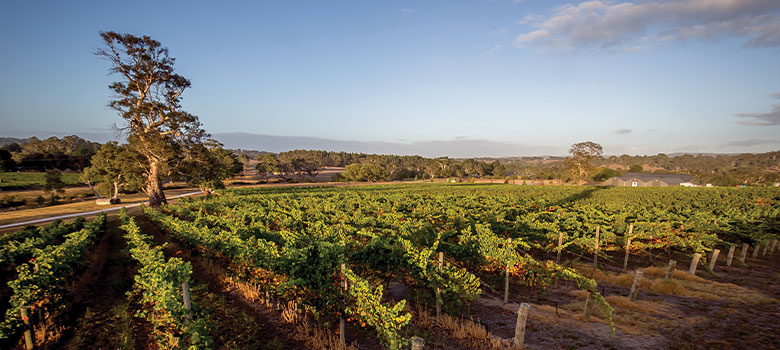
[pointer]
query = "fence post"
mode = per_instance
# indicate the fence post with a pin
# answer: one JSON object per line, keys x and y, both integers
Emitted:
{"x": 438, "y": 290}
{"x": 730, "y": 256}
{"x": 586, "y": 312}
{"x": 342, "y": 326}
{"x": 418, "y": 343}
{"x": 766, "y": 246}
{"x": 28, "y": 339}
{"x": 715, "y": 253}
{"x": 40, "y": 312}
{"x": 596, "y": 254}
{"x": 628, "y": 246}
{"x": 694, "y": 263}
{"x": 522, "y": 317}
{"x": 635, "y": 286}
{"x": 670, "y": 269}
{"x": 744, "y": 251}
{"x": 560, "y": 247}
{"x": 185, "y": 288}
{"x": 506, "y": 280}
{"x": 755, "y": 250}
{"x": 772, "y": 250}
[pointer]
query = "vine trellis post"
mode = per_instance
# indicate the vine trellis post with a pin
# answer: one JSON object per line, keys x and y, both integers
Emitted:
{"x": 438, "y": 289}
{"x": 715, "y": 253}
{"x": 28, "y": 339}
{"x": 522, "y": 316}
{"x": 730, "y": 255}
{"x": 694, "y": 263}
{"x": 596, "y": 249}
{"x": 628, "y": 246}
{"x": 506, "y": 278}
{"x": 342, "y": 338}
{"x": 560, "y": 247}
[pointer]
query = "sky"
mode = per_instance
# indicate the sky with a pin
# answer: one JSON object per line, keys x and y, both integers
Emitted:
{"x": 435, "y": 78}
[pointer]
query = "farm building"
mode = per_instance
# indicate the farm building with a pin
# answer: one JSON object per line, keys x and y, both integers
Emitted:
{"x": 649, "y": 180}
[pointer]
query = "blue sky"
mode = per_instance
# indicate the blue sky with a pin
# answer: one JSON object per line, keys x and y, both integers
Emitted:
{"x": 457, "y": 78}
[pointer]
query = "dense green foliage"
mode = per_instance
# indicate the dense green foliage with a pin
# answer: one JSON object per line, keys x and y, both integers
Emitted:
{"x": 46, "y": 286}
{"x": 19, "y": 246}
{"x": 33, "y": 180}
{"x": 159, "y": 283}
{"x": 33, "y": 154}
{"x": 720, "y": 169}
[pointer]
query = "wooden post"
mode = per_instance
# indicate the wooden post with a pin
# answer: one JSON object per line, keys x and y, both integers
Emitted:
{"x": 506, "y": 280}
{"x": 755, "y": 250}
{"x": 628, "y": 246}
{"x": 185, "y": 291}
{"x": 586, "y": 311}
{"x": 342, "y": 326}
{"x": 40, "y": 312}
{"x": 730, "y": 256}
{"x": 28, "y": 339}
{"x": 715, "y": 253}
{"x": 670, "y": 269}
{"x": 438, "y": 290}
{"x": 522, "y": 316}
{"x": 418, "y": 343}
{"x": 766, "y": 246}
{"x": 560, "y": 247}
{"x": 596, "y": 249}
{"x": 772, "y": 250}
{"x": 694, "y": 263}
{"x": 635, "y": 286}
{"x": 744, "y": 251}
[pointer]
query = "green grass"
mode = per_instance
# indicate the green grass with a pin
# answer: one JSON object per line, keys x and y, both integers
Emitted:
{"x": 25, "y": 180}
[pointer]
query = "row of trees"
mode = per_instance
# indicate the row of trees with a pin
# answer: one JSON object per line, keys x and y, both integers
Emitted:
{"x": 33, "y": 154}
{"x": 372, "y": 167}
{"x": 720, "y": 170}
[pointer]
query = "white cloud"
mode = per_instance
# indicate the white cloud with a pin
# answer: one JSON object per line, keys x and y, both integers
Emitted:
{"x": 769, "y": 118}
{"x": 616, "y": 26}
{"x": 495, "y": 49}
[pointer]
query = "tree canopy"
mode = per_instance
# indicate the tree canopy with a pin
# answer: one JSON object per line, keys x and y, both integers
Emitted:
{"x": 148, "y": 98}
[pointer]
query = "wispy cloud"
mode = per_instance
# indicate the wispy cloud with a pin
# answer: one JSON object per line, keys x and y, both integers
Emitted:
{"x": 769, "y": 118}
{"x": 405, "y": 10}
{"x": 495, "y": 49}
{"x": 533, "y": 19}
{"x": 623, "y": 131}
{"x": 613, "y": 26}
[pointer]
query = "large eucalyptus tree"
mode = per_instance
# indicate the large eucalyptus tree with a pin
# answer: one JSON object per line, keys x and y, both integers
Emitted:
{"x": 148, "y": 97}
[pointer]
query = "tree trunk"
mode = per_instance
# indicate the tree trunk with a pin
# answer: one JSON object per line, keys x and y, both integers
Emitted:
{"x": 154, "y": 186}
{"x": 116, "y": 189}
{"x": 97, "y": 195}
{"x": 116, "y": 186}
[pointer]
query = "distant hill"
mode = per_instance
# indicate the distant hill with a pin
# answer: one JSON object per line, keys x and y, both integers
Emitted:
{"x": 9, "y": 140}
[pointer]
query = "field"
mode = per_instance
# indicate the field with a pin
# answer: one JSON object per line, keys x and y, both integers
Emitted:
{"x": 295, "y": 268}
{"x": 30, "y": 180}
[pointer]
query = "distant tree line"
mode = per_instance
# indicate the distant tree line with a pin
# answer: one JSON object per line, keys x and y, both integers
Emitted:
{"x": 720, "y": 170}
{"x": 584, "y": 164}
{"x": 372, "y": 167}
{"x": 33, "y": 154}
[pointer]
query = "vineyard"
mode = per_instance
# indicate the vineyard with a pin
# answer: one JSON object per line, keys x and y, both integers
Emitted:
{"x": 396, "y": 266}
